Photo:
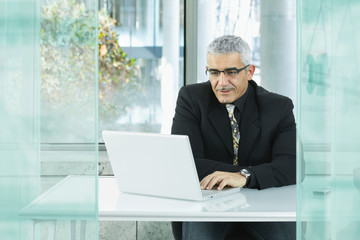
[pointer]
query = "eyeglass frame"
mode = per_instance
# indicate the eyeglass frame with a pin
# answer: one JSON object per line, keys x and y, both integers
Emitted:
{"x": 238, "y": 70}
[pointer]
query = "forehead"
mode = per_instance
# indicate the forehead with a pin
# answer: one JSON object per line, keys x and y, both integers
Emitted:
{"x": 224, "y": 60}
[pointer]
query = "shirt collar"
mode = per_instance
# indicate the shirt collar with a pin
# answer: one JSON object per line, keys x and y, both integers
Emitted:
{"x": 240, "y": 102}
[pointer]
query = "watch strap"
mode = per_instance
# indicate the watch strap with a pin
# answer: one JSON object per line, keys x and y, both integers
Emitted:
{"x": 247, "y": 175}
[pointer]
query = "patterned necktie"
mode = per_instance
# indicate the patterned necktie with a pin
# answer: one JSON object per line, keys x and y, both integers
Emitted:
{"x": 235, "y": 131}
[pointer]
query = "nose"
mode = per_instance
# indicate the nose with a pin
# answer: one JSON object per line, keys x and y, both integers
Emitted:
{"x": 223, "y": 79}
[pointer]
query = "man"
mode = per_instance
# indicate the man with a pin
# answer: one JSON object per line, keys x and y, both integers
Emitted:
{"x": 241, "y": 135}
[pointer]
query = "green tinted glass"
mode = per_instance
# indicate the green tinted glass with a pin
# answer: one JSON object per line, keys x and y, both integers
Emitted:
{"x": 48, "y": 114}
{"x": 328, "y": 116}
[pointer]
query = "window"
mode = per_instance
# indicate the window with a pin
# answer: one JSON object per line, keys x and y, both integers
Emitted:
{"x": 151, "y": 34}
{"x": 220, "y": 17}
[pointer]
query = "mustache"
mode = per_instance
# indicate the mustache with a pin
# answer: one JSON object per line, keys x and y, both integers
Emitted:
{"x": 224, "y": 88}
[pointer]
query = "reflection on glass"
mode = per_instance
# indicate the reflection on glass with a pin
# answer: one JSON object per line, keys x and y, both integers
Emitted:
{"x": 68, "y": 119}
{"x": 19, "y": 97}
{"x": 67, "y": 72}
{"x": 48, "y": 94}
{"x": 328, "y": 197}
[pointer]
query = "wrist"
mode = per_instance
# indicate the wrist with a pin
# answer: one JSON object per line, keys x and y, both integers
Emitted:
{"x": 244, "y": 172}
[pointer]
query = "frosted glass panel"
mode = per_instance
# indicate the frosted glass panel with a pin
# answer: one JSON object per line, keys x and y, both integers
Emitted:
{"x": 67, "y": 71}
{"x": 328, "y": 113}
{"x": 48, "y": 93}
{"x": 19, "y": 119}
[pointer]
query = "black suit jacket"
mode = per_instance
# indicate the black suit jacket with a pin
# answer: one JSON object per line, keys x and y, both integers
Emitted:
{"x": 267, "y": 134}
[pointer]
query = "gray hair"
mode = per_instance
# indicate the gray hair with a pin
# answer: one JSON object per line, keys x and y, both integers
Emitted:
{"x": 230, "y": 44}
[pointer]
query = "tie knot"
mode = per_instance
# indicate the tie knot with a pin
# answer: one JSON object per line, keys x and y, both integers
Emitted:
{"x": 230, "y": 108}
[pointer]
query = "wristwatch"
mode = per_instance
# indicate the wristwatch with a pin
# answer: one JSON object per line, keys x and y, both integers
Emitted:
{"x": 247, "y": 175}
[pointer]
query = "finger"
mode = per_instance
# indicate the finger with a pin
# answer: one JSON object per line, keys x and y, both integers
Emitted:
{"x": 214, "y": 181}
{"x": 222, "y": 184}
{"x": 204, "y": 184}
{"x": 205, "y": 181}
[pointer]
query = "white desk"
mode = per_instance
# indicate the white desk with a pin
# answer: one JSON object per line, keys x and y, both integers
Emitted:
{"x": 71, "y": 199}
{"x": 274, "y": 204}
{"x": 74, "y": 199}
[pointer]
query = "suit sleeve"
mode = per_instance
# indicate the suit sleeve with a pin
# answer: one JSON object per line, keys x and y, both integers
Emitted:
{"x": 187, "y": 122}
{"x": 281, "y": 170}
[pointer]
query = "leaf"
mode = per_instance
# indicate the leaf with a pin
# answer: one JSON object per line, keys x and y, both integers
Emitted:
{"x": 103, "y": 51}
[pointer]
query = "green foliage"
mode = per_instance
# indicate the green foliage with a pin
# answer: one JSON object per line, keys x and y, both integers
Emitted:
{"x": 66, "y": 57}
{"x": 66, "y": 23}
{"x": 67, "y": 63}
{"x": 117, "y": 72}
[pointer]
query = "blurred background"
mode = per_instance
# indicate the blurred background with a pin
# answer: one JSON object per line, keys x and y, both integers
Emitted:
{"x": 70, "y": 69}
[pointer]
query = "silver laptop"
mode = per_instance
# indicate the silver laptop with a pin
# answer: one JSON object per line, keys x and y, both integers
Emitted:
{"x": 157, "y": 165}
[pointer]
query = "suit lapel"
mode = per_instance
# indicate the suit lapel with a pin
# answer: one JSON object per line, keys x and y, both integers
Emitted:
{"x": 249, "y": 127}
{"x": 221, "y": 123}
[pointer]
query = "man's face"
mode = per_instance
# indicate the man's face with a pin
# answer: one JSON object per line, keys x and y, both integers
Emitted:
{"x": 228, "y": 88}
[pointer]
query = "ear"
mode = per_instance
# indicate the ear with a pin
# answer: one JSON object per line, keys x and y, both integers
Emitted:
{"x": 250, "y": 72}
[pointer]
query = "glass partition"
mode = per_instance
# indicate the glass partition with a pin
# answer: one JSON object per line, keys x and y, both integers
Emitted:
{"x": 328, "y": 113}
{"x": 48, "y": 113}
{"x": 19, "y": 115}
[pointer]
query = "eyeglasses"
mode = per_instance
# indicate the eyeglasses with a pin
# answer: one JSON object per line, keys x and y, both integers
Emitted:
{"x": 231, "y": 72}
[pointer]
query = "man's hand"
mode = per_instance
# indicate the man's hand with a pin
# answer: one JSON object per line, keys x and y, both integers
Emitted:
{"x": 222, "y": 179}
